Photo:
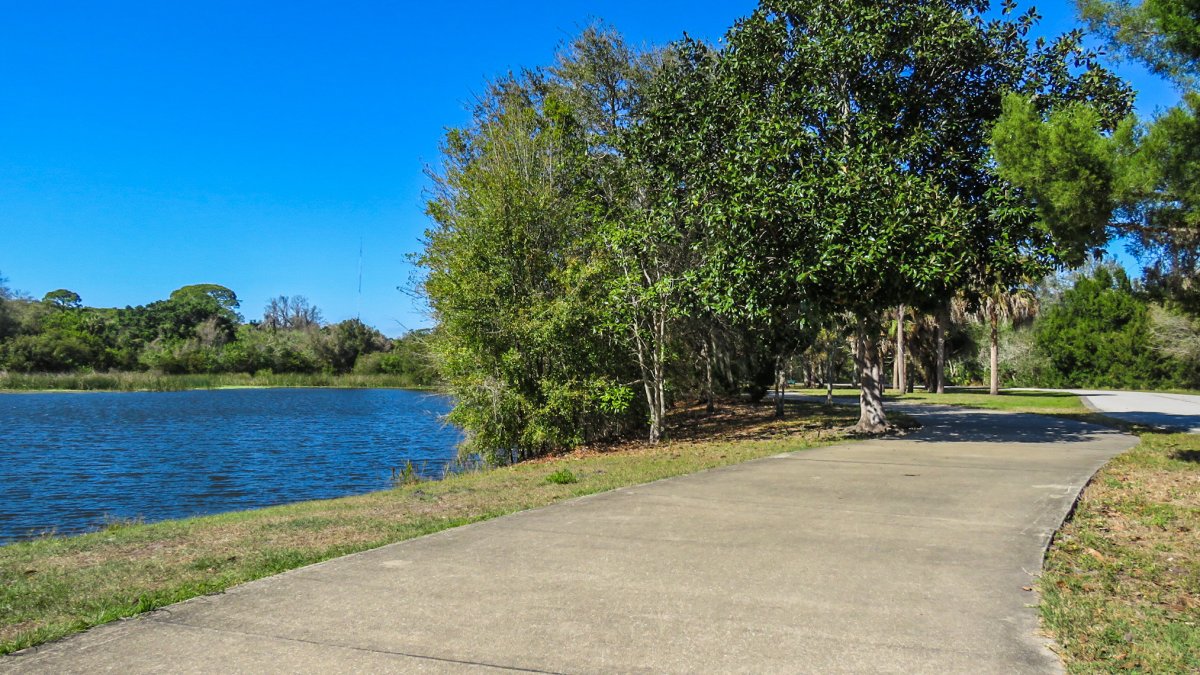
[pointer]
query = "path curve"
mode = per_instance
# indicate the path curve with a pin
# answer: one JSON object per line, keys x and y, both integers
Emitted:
{"x": 907, "y": 554}
{"x": 1174, "y": 411}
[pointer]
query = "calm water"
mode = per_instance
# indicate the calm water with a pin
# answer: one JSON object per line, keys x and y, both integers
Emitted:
{"x": 68, "y": 462}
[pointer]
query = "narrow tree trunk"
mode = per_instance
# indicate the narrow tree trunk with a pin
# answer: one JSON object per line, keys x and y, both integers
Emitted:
{"x": 709, "y": 405}
{"x": 871, "y": 418}
{"x": 829, "y": 375}
{"x": 901, "y": 358}
{"x": 995, "y": 360}
{"x": 655, "y": 419}
{"x": 895, "y": 373}
{"x": 660, "y": 385}
{"x": 943, "y": 318}
{"x": 780, "y": 386}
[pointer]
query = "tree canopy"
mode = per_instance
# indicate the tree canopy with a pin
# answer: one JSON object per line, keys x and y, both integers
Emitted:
{"x": 610, "y": 224}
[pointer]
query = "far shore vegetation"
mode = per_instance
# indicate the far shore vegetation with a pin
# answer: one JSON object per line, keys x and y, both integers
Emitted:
{"x": 151, "y": 381}
{"x": 196, "y": 339}
{"x": 53, "y": 586}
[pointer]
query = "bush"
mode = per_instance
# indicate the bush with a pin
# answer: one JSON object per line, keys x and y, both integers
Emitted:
{"x": 562, "y": 477}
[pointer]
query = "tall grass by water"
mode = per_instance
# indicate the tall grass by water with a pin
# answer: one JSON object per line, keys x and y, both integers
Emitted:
{"x": 151, "y": 381}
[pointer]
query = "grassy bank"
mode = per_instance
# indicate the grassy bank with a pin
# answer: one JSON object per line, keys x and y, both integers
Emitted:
{"x": 55, "y": 586}
{"x": 138, "y": 381}
{"x": 1121, "y": 587}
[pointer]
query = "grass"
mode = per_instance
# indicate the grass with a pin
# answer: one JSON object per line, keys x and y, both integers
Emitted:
{"x": 55, "y": 586}
{"x": 149, "y": 381}
{"x": 1121, "y": 585}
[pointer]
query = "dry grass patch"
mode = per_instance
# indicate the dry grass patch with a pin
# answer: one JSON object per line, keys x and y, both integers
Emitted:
{"x": 55, "y": 586}
{"x": 1121, "y": 589}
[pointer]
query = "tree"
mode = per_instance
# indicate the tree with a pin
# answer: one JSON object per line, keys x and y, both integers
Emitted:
{"x": 1065, "y": 164}
{"x": 1138, "y": 178}
{"x": 1158, "y": 198}
{"x": 854, "y": 172}
{"x": 222, "y": 296}
{"x": 646, "y": 236}
{"x": 1162, "y": 34}
{"x": 1098, "y": 335}
{"x": 63, "y": 299}
{"x": 342, "y": 344}
{"x": 293, "y": 313}
{"x": 1002, "y": 306}
{"x": 8, "y": 320}
{"x": 515, "y": 281}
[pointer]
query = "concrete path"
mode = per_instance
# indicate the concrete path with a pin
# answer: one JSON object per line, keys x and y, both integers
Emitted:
{"x": 1177, "y": 411}
{"x": 901, "y": 555}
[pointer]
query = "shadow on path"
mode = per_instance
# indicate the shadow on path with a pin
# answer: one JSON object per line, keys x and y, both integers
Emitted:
{"x": 955, "y": 424}
{"x": 942, "y": 424}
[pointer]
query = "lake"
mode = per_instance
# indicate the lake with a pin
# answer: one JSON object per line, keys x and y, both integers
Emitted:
{"x": 69, "y": 462}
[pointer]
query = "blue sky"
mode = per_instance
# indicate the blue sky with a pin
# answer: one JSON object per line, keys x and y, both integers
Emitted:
{"x": 149, "y": 145}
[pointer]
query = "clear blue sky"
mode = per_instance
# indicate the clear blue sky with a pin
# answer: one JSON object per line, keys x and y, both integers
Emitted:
{"x": 149, "y": 145}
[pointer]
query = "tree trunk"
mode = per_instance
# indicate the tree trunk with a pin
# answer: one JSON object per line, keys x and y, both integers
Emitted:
{"x": 780, "y": 386}
{"x": 655, "y": 419}
{"x": 901, "y": 359}
{"x": 660, "y": 385}
{"x": 650, "y": 355}
{"x": 710, "y": 405}
{"x": 995, "y": 360}
{"x": 829, "y": 375}
{"x": 943, "y": 318}
{"x": 895, "y": 374}
{"x": 871, "y": 417}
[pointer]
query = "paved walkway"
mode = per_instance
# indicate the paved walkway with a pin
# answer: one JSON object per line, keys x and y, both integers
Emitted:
{"x": 898, "y": 555}
{"x": 1178, "y": 411}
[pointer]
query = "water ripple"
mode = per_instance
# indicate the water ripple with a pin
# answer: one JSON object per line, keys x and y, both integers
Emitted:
{"x": 68, "y": 462}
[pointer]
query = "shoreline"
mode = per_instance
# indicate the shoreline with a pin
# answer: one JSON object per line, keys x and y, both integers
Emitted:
{"x": 137, "y": 381}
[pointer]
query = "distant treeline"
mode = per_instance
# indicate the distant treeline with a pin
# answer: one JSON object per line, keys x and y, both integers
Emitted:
{"x": 1095, "y": 328}
{"x": 197, "y": 330}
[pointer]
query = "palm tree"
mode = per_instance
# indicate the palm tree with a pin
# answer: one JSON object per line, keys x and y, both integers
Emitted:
{"x": 1017, "y": 307}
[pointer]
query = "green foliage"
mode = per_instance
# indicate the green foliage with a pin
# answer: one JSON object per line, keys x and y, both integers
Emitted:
{"x": 342, "y": 344}
{"x": 1139, "y": 181}
{"x": 195, "y": 331}
{"x": 63, "y": 299}
{"x": 513, "y": 275}
{"x": 1162, "y": 34}
{"x": 1098, "y": 335}
{"x": 621, "y": 222}
{"x": 1159, "y": 193}
{"x": 1067, "y": 167}
{"x": 562, "y": 477}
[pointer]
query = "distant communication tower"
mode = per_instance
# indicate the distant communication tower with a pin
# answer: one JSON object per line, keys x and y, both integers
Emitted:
{"x": 358, "y": 308}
